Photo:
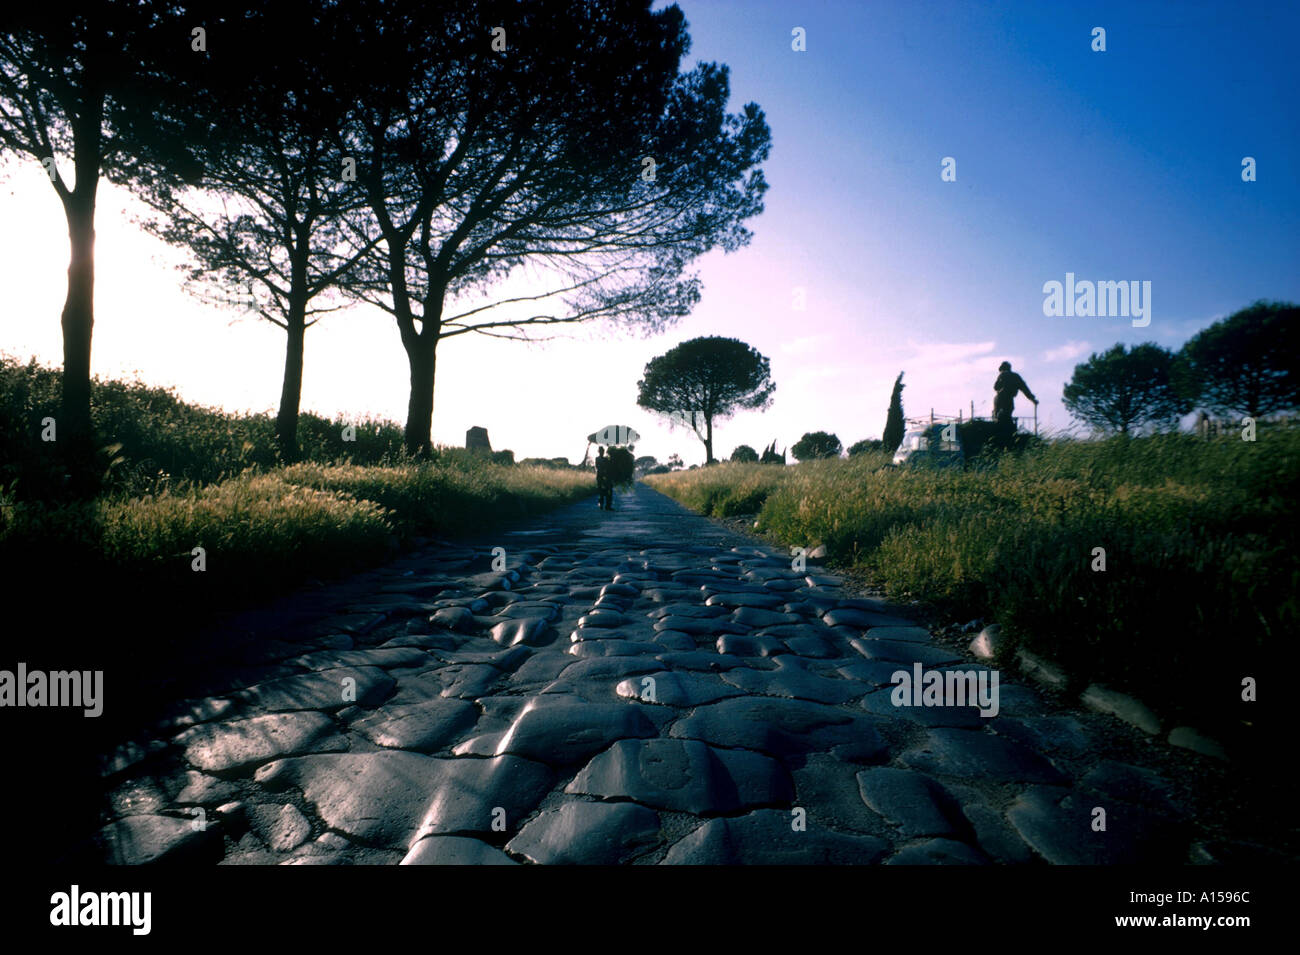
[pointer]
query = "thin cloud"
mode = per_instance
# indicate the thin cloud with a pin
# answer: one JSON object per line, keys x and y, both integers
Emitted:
{"x": 805, "y": 345}
{"x": 1067, "y": 352}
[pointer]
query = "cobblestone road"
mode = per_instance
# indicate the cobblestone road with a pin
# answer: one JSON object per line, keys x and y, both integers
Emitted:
{"x": 636, "y": 687}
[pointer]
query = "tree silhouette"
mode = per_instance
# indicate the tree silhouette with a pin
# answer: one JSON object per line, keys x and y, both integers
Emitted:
{"x": 703, "y": 380}
{"x": 86, "y": 91}
{"x": 816, "y": 444}
{"x": 744, "y": 454}
{"x": 522, "y": 143}
{"x": 1245, "y": 364}
{"x": 894, "y": 424}
{"x": 271, "y": 211}
{"x": 865, "y": 445}
{"x": 1120, "y": 389}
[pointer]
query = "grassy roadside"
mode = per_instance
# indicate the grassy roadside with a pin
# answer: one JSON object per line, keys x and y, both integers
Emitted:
{"x": 173, "y": 476}
{"x": 1201, "y": 565}
{"x": 264, "y": 532}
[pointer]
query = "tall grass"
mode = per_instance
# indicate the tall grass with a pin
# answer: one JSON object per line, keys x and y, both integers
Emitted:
{"x": 181, "y": 477}
{"x": 153, "y": 439}
{"x": 1201, "y": 564}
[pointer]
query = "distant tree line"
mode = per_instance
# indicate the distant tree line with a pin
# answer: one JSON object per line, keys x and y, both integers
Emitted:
{"x": 1244, "y": 365}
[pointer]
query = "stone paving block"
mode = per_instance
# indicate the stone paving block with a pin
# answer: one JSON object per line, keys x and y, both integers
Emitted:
{"x": 767, "y": 837}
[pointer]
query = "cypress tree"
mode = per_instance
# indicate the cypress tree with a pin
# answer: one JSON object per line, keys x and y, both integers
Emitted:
{"x": 893, "y": 435}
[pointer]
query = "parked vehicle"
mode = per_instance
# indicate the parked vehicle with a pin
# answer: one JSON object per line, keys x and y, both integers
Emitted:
{"x": 926, "y": 447}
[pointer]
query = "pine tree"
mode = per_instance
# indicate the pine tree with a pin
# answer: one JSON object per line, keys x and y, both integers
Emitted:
{"x": 893, "y": 435}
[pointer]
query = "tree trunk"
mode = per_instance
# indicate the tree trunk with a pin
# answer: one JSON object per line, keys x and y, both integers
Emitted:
{"x": 708, "y": 441}
{"x": 422, "y": 357}
{"x": 74, "y": 431}
{"x": 286, "y": 421}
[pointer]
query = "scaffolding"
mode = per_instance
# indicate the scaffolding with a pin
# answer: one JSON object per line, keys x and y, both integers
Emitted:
{"x": 1022, "y": 421}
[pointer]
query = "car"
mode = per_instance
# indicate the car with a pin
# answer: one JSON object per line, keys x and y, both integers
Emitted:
{"x": 926, "y": 447}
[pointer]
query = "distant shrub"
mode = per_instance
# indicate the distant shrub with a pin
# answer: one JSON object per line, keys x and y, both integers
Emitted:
{"x": 865, "y": 445}
{"x": 815, "y": 445}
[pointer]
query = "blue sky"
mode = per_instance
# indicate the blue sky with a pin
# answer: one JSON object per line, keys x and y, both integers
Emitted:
{"x": 1116, "y": 165}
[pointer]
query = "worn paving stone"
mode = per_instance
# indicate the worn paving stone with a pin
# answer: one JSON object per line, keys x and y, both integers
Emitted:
{"x": 1063, "y": 735}
{"x": 994, "y": 836}
{"x": 711, "y": 661}
{"x": 531, "y": 608}
{"x": 1017, "y": 700}
{"x": 541, "y": 668}
{"x": 767, "y": 837}
{"x": 675, "y": 689}
{"x": 281, "y": 827}
{"x": 391, "y": 798}
{"x": 786, "y": 631}
{"x": 1133, "y": 784}
{"x": 902, "y": 652}
{"x": 1058, "y": 825}
{"x": 919, "y": 805}
{"x": 755, "y": 598}
{"x": 827, "y": 788}
{"x": 791, "y": 678}
{"x": 464, "y": 681}
{"x": 757, "y": 617}
{"x": 321, "y": 690}
{"x": 879, "y": 673}
{"x": 383, "y": 657}
{"x": 586, "y": 649}
{"x": 863, "y": 619}
{"x": 422, "y": 727}
{"x": 589, "y": 833}
{"x": 976, "y": 755}
{"x": 525, "y": 631}
{"x": 742, "y": 645}
{"x": 203, "y": 790}
{"x": 684, "y": 775}
{"x": 783, "y": 727}
{"x": 353, "y": 624}
{"x": 224, "y": 747}
{"x": 881, "y": 703}
{"x": 819, "y": 648}
{"x": 938, "y": 852}
{"x": 697, "y": 610}
{"x": 455, "y": 850}
{"x": 699, "y": 626}
{"x": 148, "y": 839}
{"x": 674, "y": 640}
{"x": 560, "y": 733}
{"x": 903, "y": 632}
{"x": 609, "y": 670}
{"x": 441, "y": 640}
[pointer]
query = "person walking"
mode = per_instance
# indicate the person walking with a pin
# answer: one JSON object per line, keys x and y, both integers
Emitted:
{"x": 1005, "y": 389}
{"x": 604, "y": 481}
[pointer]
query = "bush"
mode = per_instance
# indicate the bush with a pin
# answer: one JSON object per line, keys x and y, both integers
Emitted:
{"x": 744, "y": 454}
{"x": 152, "y": 440}
{"x": 816, "y": 444}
